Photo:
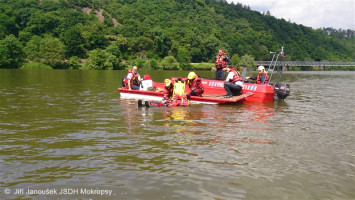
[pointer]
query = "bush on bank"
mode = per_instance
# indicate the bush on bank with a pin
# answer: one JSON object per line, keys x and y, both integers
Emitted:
{"x": 35, "y": 65}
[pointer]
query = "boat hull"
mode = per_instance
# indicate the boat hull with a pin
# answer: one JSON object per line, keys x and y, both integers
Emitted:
{"x": 206, "y": 99}
{"x": 213, "y": 91}
{"x": 262, "y": 93}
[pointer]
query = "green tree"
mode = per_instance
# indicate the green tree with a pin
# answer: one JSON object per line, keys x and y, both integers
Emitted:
{"x": 235, "y": 60}
{"x": 184, "y": 58}
{"x": 94, "y": 35}
{"x": 74, "y": 42}
{"x": 170, "y": 63}
{"x": 114, "y": 49}
{"x": 32, "y": 48}
{"x": 211, "y": 46}
{"x": 262, "y": 53}
{"x": 196, "y": 54}
{"x": 142, "y": 43}
{"x": 43, "y": 22}
{"x": 74, "y": 62}
{"x": 140, "y": 63}
{"x": 247, "y": 61}
{"x": 35, "y": 65}
{"x": 52, "y": 51}
{"x": 7, "y": 25}
{"x": 101, "y": 59}
{"x": 108, "y": 20}
{"x": 154, "y": 64}
{"x": 11, "y": 52}
{"x": 162, "y": 43}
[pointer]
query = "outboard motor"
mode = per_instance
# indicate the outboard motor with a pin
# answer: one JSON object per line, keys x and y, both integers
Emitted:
{"x": 282, "y": 90}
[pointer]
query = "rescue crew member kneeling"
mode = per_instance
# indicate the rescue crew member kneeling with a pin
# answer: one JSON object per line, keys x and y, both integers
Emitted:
{"x": 195, "y": 84}
{"x": 234, "y": 83}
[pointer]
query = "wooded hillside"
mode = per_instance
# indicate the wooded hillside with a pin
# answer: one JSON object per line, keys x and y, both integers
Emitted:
{"x": 168, "y": 34}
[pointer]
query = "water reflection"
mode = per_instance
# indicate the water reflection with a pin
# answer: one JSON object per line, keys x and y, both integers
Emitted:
{"x": 204, "y": 124}
{"x": 131, "y": 115}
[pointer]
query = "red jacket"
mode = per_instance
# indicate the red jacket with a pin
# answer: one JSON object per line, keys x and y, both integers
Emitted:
{"x": 168, "y": 92}
{"x": 220, "y": 60}
{"x": 259, "y": 79}
{"x": 236, "y": 76}
{"x": 134, "y": 79}
{"x": 196, "y": 86}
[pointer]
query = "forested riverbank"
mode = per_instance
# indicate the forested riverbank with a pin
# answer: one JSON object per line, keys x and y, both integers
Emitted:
{"x": 157, "y": 35}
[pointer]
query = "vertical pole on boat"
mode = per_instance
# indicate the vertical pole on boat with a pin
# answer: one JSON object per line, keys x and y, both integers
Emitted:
{"x": 277, "y": 57}
{"x": 244, "y": 73}
{"x": 281, "y": 66}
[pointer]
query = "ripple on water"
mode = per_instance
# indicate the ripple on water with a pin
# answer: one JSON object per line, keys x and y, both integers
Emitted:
{"x": 82, "y": 134}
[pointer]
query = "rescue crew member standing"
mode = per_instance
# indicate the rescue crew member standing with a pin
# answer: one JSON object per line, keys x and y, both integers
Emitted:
{"x": 220, "y": 64}
{"x": 234, "y": 82}
{"x": 133, "y": 79}
{"x": 262, "y": 77}
{"x": 195, "y": 84}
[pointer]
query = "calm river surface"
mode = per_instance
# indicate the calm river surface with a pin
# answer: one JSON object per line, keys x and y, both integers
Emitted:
{"x": 63, "y": 130}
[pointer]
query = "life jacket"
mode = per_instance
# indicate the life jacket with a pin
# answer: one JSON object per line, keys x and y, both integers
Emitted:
{"x": 258, "y": 78}
{"x": 134, "y": 80}
{"x": 236, "y": 76}
{"x": 179, "y": 88}
{"x": 220, "y": 62}
{"x": 179, "y": 97}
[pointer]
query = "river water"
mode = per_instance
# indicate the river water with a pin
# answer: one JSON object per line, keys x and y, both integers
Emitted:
{"x": 68, "y": 131}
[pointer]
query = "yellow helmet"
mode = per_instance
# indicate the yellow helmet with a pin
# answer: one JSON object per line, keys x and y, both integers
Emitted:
{"x": 191, "y": 75}
{"x": 167, "y": 82}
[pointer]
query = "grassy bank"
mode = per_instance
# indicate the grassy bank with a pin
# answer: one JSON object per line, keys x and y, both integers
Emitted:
{"x": 202, "y": 66}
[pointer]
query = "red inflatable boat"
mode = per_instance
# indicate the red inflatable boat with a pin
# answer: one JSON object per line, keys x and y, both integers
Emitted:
{"x": 213, "y": 91}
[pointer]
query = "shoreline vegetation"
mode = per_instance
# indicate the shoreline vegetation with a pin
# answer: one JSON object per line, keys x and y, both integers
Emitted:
{"x": 157, "y": 35}
{"x": 193, "y": 66}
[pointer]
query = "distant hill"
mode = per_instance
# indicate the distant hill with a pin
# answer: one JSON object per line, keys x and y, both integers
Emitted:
{"x": 115, "y": 33}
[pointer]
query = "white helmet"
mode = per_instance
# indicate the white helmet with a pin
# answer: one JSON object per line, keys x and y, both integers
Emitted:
{"x": 261, "y": 68}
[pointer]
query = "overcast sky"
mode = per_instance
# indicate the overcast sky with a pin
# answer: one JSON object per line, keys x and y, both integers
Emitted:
{"x": 312, "y": 13}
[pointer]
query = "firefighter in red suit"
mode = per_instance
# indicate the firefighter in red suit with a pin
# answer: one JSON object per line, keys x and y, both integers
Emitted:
{"x": 168, "y": 90}
{"x": 195, "y": 84}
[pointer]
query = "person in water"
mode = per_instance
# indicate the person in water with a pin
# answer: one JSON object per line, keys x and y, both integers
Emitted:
{"x": 262, "y": 77}
{"x": 195, "y": 84}
{"x": 234, "y": 83}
